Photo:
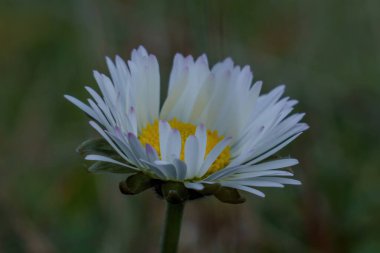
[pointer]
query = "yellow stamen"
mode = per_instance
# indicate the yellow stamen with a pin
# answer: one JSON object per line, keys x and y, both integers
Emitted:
{"x": 150, "y": 135}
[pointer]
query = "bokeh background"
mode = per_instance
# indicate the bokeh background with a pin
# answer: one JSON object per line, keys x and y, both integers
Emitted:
{"x": 326, "y": 52}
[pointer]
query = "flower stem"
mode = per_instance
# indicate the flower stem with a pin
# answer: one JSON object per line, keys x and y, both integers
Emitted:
{"x": 172, "y": 229}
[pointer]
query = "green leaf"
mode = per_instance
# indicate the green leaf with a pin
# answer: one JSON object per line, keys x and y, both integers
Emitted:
{"x": 96, "y": 146}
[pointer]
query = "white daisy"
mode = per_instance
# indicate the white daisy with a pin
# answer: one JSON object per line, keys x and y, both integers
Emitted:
{"x": 213, "y": 128}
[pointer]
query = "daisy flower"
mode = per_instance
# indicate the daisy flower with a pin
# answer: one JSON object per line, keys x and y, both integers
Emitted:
{"x": 214, "y": 134}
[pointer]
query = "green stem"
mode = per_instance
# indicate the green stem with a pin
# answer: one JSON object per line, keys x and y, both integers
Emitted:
{"x": 172, "y": 229}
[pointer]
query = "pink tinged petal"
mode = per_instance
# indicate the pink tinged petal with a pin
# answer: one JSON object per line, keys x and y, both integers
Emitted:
{"x": 136, "y": 146}
{"x": 215, "y": 152}
{"x": 105, "y": 136}
{"x": 122, "y": 143}
{"x": 189, "y": 59}
{"x": 202, "y": 60}
{"x": 138, "y": 54}
{"x": 151, "y": 153}
{"x": 142, "y": 51}
{"x": 132, "y": 120}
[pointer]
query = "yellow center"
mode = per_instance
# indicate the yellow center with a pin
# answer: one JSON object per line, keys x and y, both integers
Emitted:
{"x": 150, "y": 135}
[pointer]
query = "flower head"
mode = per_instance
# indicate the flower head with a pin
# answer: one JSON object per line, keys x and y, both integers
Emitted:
{"x": 215, "y": 133}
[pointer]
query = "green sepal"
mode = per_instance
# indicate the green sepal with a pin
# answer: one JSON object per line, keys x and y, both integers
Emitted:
{"x": 209, "y": 189}
{"x": 97, "y": 146}
{"x": 104, "y": 167}
{"x": 229, "y": 195}
{"x": 135, "y": 184}
{"x": 174, "y": 192}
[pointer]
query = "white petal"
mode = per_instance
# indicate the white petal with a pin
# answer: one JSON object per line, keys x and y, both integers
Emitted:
{"x": 281, "y": 180}
{"x": 224, "y": 173}
{"x": 181, "y": 168}
{"x": 145, "y": 86}
{"x": 261, "y": 173}
{"x": 99, "y": 114}
{"x": 169, "y": 168}
{"x": 164, "y": 131}
{"x": 244, "y": 188}
{"x": 82, "y": 106}
{"x": 275, "y": 149}
{"x": 257, "y": 183}
{"x": 105, "y": 109}
{"x": 214, "y": 153}
{"x": 186, "y": 81}
{"x": 107, "y": 159}
{"x": 275, "y": 164}
{"x": 194, "y": 186}
{"x": 159, "y": 171}
{"x": 173, "y": 149}
{"x": 201, "y": 135}
{"x": 191, "y": 155}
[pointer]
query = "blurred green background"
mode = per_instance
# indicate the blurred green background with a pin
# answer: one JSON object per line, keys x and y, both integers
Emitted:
{"x": 326, "y": 52}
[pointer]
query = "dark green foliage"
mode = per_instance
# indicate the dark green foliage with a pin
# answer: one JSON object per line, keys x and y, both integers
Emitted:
{"x": 97, "y": 146}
